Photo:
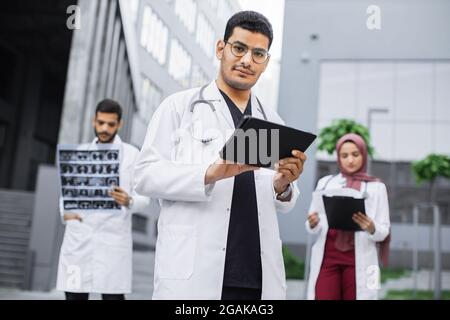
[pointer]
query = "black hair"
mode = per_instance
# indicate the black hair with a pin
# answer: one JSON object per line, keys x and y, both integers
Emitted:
{"x": 251, "y": 21}
{"x": 109, "y": 106}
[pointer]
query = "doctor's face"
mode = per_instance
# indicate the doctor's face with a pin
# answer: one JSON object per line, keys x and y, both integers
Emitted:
{"x": 106, "y": 126}
{"x": 238, "y": 68}
{"x": 350, "y": 157}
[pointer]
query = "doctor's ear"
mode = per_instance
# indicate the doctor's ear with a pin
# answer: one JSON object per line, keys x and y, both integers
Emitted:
{"x": 220, "y": 46}
{"x": 120, "y": 124}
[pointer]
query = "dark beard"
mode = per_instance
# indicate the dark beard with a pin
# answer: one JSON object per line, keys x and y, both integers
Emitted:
{"x": 110, "y": 140}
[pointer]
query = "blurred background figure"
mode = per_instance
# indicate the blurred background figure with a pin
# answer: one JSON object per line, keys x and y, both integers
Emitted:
{"x": 336, "y": 253}
{"x": 96, "y": 253}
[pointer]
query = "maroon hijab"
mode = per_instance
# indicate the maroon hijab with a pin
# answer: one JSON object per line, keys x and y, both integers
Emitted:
{"x": 345, "y": 239}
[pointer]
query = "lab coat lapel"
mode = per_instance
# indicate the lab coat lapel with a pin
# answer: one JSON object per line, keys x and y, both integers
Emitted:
{"x": 256, "y": 108}
{"x": 212, "y": 93}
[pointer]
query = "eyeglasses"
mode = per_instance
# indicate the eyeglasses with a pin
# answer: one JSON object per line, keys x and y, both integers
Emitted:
{"x": 239, "y": 49}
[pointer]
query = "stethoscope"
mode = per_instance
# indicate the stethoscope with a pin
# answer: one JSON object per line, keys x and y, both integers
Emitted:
{"x": 365, "y": 194}
{"x": 201, "y": 100}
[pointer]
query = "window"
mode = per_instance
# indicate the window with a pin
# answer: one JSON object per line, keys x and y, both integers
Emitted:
{"x": 186, "y": 10}
{"x": 150, "y": 99}
{"x": 154, "y": 35}
{"x": 415, "y": 94}
{"x": 199, "y": 78}
{"x": 205, "y": 35}
{"x": 180, "y": 63}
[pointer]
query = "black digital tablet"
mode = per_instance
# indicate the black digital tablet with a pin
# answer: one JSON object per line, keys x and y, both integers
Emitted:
{"x": 262, "y": 143}
{"x": 339, "y": 211}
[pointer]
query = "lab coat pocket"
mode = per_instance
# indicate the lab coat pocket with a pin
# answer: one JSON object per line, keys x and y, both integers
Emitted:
{"x": 193, "y": 151}
{"x": 175, "y": 254}
{"x": 74, "y": 236}
{"x": 74, "y": 226}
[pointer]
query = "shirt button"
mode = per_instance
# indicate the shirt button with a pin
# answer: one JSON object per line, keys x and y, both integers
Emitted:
{"x": 223, "y": 249}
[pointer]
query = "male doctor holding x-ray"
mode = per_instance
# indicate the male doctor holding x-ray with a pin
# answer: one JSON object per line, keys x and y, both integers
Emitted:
{"x": 218, "y": 234}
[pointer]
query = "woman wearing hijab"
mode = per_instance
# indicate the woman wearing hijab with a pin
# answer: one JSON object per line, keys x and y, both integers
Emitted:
{"x": 344, "y": 264}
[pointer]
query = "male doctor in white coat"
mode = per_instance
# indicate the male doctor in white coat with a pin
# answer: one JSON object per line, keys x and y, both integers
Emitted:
{"x": 96, "y": 253}
{"x": 218, "y": 234}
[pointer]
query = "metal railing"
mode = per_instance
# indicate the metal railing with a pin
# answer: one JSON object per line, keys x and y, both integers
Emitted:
{"x": 437, "y": 264}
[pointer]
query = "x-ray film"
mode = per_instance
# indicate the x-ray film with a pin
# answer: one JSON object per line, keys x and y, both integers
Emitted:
{"x": 87, "y": 174}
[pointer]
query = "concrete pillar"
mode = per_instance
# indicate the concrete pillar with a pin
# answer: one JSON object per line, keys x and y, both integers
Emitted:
{"x": 107, "y": 49}
{"x": 121, "y": 64}
{"x": 106, "y": 35}
{"x": 113, "y": 62}
{"x": 94, "y": 74}
{"x": 46, "y": 230}
{"x": 72, "y": 118}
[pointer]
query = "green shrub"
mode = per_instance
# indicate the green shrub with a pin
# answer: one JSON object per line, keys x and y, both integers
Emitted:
{"x": 433, "y": 166}
{"x": 389, "y": 273}
{"x": 294, "y": 267}
{"x": 328, "y": 136}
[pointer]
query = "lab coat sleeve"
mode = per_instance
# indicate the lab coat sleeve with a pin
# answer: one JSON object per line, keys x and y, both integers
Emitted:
{"x": 318, "y": 227}
{"x": 381, "y": 220}
{"x": 286, "y": 206}
{"x": 141, "y": 204}
{"x": 313, "y": 208}
{"x": 156, "y": 174}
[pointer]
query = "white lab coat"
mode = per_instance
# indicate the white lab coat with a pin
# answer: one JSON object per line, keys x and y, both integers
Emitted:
{"x": 366, "y": 257}
{"x": 96, "y": 254}
{"x": 194, "y": 218}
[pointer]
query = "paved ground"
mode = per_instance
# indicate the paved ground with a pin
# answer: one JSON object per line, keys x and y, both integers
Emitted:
{"x": 143, "y": 284}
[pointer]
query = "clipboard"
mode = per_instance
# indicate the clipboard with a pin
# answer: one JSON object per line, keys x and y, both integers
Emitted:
{"x": 340, "y": 209}
{"x": 262, "y": 143}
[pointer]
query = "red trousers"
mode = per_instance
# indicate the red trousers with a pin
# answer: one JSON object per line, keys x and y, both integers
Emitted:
{"x": 337, "y": 280}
